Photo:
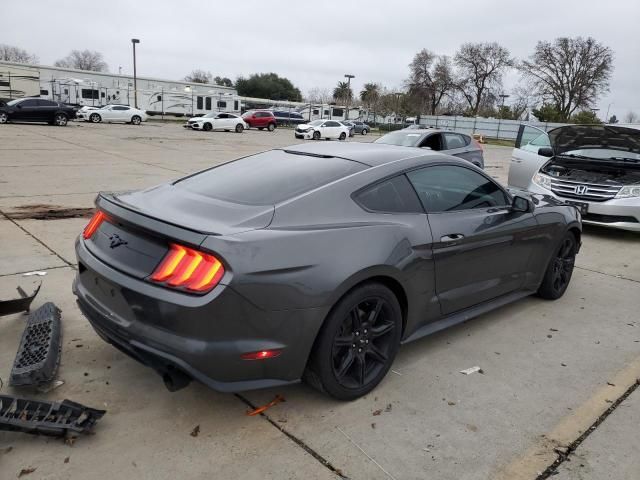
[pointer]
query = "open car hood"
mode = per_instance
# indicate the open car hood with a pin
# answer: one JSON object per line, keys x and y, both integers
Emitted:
{"x": 579, "y": 137}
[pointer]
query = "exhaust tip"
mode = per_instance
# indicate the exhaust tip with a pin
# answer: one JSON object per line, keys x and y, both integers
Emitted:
{"x": 175, "y": 380}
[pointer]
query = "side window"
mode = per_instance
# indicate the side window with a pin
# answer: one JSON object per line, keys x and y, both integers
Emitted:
{"x": 29, "y": 103}
{"x": 222, "y": 104}
{"x": 120, "y": 108}
{"x": 47, "y": 103}
{"x": 43, "y": 92}
{"x": 434, "y": 142}
{"x": 390, "y": 196}
{"x": 235, "y": 105}
{"x": 331, "y": 124}
{"x": 448, "y": 188}
{"x": 531, "y": 139}
{"x": 199, "y": 103}
{"x": 208, "y": 103}
{"x": 454, "y": 140}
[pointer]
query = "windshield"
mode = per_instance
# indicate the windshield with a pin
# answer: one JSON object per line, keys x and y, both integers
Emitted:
{"x": 602, "y": 153}
{"x": 13, "y": 102}
{"x": 211, "y": 115}
{"x": 401, "y": 138}
{"x": 316, "y": 123}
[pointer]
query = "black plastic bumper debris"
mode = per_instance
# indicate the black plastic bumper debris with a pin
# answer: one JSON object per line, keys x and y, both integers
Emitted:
{"x": 58, "y": 419}
{"x": 20, "y": 304}
{"x": 39, "y": 352}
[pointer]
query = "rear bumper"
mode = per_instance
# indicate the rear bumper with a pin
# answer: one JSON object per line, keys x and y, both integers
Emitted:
{"x": 200, "y": 337}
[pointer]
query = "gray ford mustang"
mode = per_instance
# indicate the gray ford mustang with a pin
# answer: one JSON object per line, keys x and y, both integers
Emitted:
{"x": 313, "y": 261}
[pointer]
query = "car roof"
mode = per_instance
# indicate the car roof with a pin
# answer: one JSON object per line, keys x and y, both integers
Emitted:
{"x": 371, "y": 154}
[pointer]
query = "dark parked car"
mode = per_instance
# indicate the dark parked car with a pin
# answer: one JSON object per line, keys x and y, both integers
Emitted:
{"x": 313, "y": 261}
{"x": 284, "y": 117}
{"x": 451, "y": 143}
{"x": 260, "y": 119}
{"x": 36, "y": 110}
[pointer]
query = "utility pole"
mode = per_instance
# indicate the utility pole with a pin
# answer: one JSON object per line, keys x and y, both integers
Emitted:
{"x": 135, "y": 79}
{"x": 348, "y": 76}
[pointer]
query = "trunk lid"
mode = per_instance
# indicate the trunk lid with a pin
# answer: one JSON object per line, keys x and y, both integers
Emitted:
{"x": 139, "y": 226}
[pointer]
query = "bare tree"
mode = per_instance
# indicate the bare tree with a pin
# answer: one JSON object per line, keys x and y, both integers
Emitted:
{"x": 199, "y": 76}
{"x": 9, "y": 53}
{"x": 570, "y": 73}
{"x": 319, "y": 95}
{"x": 631, "y": 117}
{"x": 480, "y": 70}
{"x": 83, "y": 60}
{"x": 430, "y": 79}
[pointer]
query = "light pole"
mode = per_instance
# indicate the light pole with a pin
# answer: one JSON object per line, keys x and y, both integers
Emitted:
{"x": 606, "y": 119}
{"x": 398, "y": 95}
{"x": 348, "y": 76}
{"x": 502, "y": 96}
{"x": 135, "y": 79}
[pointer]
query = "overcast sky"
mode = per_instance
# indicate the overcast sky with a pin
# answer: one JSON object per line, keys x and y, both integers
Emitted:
{"x": 314, "y": 43}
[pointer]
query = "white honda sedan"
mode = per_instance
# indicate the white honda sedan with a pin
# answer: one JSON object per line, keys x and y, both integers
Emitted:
{"x": 117, "y": 113}
{"x": 217, "y": 121}
{"x": 322, "y": 129}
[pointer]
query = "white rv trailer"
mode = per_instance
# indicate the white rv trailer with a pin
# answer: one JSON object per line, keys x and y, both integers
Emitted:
{"x": 81, "y": 87}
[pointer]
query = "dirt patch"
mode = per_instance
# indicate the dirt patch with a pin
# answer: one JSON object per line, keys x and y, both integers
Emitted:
{"x": 48, "y": 212}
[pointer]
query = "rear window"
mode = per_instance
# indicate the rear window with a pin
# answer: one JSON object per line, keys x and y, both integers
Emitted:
{"x": 268, "y": 178}
{"x": 401, "y": 138}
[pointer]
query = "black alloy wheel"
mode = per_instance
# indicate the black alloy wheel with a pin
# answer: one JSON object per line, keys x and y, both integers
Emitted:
{"x": 239, "y": 128}
{"x": 316, "y": 135}
{"x": 357, "y": 343}
{"x": 207, "y": 127}
{"x": 558, "y": 274}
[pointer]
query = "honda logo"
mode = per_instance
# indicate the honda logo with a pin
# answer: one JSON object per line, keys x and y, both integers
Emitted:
{"x": 581, "y": 189}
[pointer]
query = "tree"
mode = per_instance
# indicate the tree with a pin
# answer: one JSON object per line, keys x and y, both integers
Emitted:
{"x": 613, "y": 119}
{"x": 585, "y": 117}
{"x": 223, "y": 81}
{"x": 430, "y": 79}
{"x": 571, "y": 73}
{"x": 548, "y": 113}
{"x": 199, "y": 76}
{"x": 83, "y": 60}
{"x": 268, "y": 85}
{"x": 481, "y": 66}
{"x": 9, "y": 53}
{"x": 319, "y": 95}
{"x": 631, "y": 117}
{"x": 342, "y": 92}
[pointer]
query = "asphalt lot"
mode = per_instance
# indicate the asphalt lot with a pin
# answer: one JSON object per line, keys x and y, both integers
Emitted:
{"x": 551, "y": 369}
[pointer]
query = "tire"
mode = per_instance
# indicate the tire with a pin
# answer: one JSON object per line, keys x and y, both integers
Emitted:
{"x": 271, "y": 127}
{"x": 558, "y": 274}
{"x": 4, "y": 118}
{"x": 239, "y": 128}
{"x": 316, "y": 135}
{"x": 207, "y": 127}
{"x": 364, "y": 131}
{"x": 345, "y": 362}
{"x": 136, "y": 120}
{"x": 343, "y": 136}
{"x": 60, "y": 120}
{"x": 95, "y": 118}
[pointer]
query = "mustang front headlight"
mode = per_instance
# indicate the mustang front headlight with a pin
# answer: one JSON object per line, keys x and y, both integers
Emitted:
{"x": 629, "y": 191}
{"x": 542, "y": 180}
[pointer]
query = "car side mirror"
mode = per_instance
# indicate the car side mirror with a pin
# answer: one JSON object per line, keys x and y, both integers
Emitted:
{"x": 545, "y": 152}
{"x": 18, "y": 106}
{"x": 521, "y": 204}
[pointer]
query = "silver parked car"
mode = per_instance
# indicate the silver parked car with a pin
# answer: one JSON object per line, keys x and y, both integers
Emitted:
{"x": 451, "y": 143}
{"x": 596, "y": 168}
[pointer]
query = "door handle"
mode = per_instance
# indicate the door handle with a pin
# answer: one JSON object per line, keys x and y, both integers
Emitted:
{"x": 452, "y": 237}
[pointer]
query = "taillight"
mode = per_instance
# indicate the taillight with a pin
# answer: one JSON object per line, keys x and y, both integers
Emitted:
{"x": 188, "y": 269}
{"x": 93, "y": 224}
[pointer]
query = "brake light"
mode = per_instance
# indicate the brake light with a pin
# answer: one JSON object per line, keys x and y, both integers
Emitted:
{"x": 188, "y": 269}
{"x": 93, "y": 224}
